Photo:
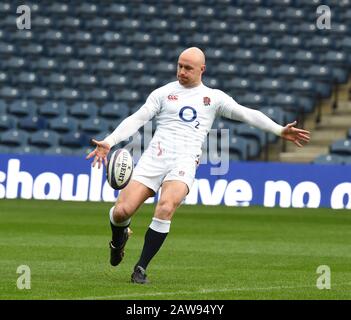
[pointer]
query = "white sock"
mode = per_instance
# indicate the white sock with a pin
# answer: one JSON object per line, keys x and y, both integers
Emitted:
{"x": 160, "y": 225}
{"x": 118, "y": 224}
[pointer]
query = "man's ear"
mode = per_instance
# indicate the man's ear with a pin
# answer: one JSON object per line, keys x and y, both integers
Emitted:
{"x": 203, "y": 68}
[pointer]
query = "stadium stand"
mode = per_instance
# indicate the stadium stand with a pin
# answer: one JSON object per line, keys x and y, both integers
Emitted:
{"x": 84, "y": 67}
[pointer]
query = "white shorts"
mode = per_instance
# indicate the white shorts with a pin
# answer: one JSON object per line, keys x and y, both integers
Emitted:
{"x": 152, "y": 171}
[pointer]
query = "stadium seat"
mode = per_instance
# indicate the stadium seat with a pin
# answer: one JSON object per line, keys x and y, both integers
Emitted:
{"x": 22, "y": 108}
{"x": 328, "y": 159}
{"x": 74, "y": 66}
{"x": 229, "y": 41}
{"x": 122, "y": 53}
{"x": 93, "y": 126}
{"x": 27, "y": 149}
{"x": 248, "y": 131}
{"x": 63, "y": 124}
{"x": 26, "y": 79}
{"x": 83, "y": 110}
{"x": 341, "y": 147}
{"x": 271, "y": 85}
{"x": 31, "y": 50}
{"x": 14, "y": 137}
{"x": 6, "y": 50}
{"x": 68, "y": 94}
{"x": 58, "y": 150}
{"x": 74, "y": 140}
{"x": 251, "y": 100}
{"x": 113, "y": 110}
{"x": 56, "y": 80}
{"x": 239, "y": 146}
{"x": 32, "y": 123}
{"x": 45, "y": 65}
{"x": 275, "y": 28}
{"x": 51, "y": 109}
{"x": 3, "y": 107}
{"x": 287, "y": 71}
{"x": 44, "y": 139}
{"x": 5, "y": 149}
{"x": 61, "y": 50}
{"x": 7, "y": 122}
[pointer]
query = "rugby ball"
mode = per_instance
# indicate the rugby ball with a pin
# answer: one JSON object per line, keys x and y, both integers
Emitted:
{"x": 119, "y": 169}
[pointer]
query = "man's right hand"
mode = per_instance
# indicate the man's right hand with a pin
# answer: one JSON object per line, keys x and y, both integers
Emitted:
{"x": 100, "y": 153}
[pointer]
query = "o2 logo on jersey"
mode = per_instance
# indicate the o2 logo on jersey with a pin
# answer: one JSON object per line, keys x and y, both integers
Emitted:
{"x": 188, "y": 114}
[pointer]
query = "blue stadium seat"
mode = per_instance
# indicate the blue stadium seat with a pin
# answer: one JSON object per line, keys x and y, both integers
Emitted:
{"x": 93, "y": 126}
{"x": 275, "y": 57}
{"x": 27, "y": 149}
{"x": 336, "y": 59}
{"x": 97, "y": 95}
{"x": 6, "y": 49}
{"x": 32, "y": 123}
{"x": 80, "y": 38}
{"x": 14, "y": 63}
{"x": 287, "y": 71}
{"x": 39, "y": 94}
{"x": 58, "y": 150}
{"x": 52, "y": 37}
{"x": 4, "y": 78}
{"x": 254, "y": 134}
{"x": 258, "y": 71}
{"x": 14, "y": 137}
{"x": 122, "y": 53}
{"x": 44, "y": 139}
{"x": 31, "y": 50}
{"x": 229, "y": 41}
{"x": 83, "y": 110}
{"x": 77, "y": 66}
{"x": 271, "y": 85}
{"x": 26, "y": 79}
{"x": 251, "y": 100}
{"x": 243, "y": 55}
{"x": 91, "y": 51}
{"x": 275, "y": 28}
{"x": 289, "y": 41}
{"x": 85, "y": 81}
{"x": 45, "y": 64}
{"x": 52, "y": 109}
{"x": 114, "y": 110}
{"x": 68, "y": 94}
{"x": 9, "y": 93}
{"x": 239, "y": 85}
{"x": 7, "y": 122}
{"x": 61, "y": 50}
{"x": 56, "y": 80}
{"x": 69, "y": 23}
{"x": 3, "y": 107}
{"x": 320, "y": 43}
{"x": 259, "y": 42}
{"x": 87, "y": 10}
{"x": 328, "y": 159}
{"x": 22, "y": 108}
{"x": 5, "y": 149}
{"x": 42, "y": 22}
{"x": 240, "y": 147}
{"x": 223, "y": 123}
{"x": 63, "y": 124}
{"x": 74, "y": 140}
{"x": 341, "y": 147}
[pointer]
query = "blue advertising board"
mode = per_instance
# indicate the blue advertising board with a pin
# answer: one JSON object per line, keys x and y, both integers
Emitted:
{"x": 71, "y": 178}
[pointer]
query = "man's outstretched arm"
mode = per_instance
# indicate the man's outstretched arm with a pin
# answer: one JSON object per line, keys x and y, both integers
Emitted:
{"x": 126, "y": 129}
{"x": 233, "y": 110}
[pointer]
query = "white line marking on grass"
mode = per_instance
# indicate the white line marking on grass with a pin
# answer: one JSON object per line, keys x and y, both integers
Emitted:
{"x": 202, "y": 291}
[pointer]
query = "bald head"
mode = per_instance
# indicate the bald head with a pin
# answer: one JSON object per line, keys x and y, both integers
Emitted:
{"x": 195, "y": 54}
{"x": 191, "y": 65}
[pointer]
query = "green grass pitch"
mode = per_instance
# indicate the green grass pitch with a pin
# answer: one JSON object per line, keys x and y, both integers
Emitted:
{"x": 211, "y": 253}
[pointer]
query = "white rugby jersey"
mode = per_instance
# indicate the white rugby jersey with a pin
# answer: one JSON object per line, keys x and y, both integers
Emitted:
{"x": 184, "y": 116}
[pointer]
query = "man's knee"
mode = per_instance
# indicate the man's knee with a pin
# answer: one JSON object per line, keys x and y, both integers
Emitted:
{"x": 122, "y": 212}
{"x": 165, "y": 210}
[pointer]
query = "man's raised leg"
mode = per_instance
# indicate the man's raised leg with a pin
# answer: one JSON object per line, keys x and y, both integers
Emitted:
{"x": 129, "y": 200}
{"x": 173, "y": 193}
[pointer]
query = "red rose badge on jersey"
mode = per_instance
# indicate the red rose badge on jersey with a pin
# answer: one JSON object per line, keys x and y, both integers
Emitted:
{"x": 207, "y": 101}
